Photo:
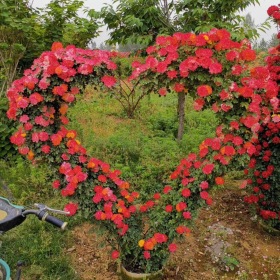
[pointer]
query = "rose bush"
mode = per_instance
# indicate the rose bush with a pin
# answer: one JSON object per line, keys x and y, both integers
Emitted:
{"x": 211, "y": 67}
{"x": 264, "y": 164}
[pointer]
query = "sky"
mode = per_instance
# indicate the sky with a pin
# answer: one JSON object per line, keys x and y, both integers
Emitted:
{"x": 258, "y": 14}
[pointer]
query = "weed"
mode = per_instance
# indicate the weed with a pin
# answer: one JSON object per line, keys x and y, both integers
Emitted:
{"x": 230, "y": 263}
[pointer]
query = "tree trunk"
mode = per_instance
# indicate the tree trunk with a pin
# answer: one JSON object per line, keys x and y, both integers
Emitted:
{"x": 181, "y": 114}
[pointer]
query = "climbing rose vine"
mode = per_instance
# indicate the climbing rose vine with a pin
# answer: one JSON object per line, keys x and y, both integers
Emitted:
{"x": 264, "y": 163}
{"x": 211, "y": 67}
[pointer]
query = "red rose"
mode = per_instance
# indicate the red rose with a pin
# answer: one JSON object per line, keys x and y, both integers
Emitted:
{"x": 172, "y": 247}
{"x": 215, "y": 68}
{"x": 204, "y": 185}
{"x": 179, "y": 87}
{"x": 147, "y": 255}
{"x": 208, "y": 168}
{"x": 187, "y": 215}
{"x": 115, "y": 254}
{"x": 272, "y": 9}
{"x": 248, "y": 55}
{"x": 56, "y": 46}
{"x": 71, "y": 208}
{"x": 167, "y": 189}
{"x": 198, "y": 104}
{"x": 162, "y": 91}
{"x": 160, "y": 237}
{"x": 186, "y": 192}
{"x": 168, "y": 208}
{"x": 219, "y": 180}
{"x": 108, "y": 81}
{"x": 180, "y": 229}
{"x": 232, "y": 55}
{"x": 156, "y": 196}
{"x": 204, "y": 195}
{"x": 46, "y": 149}
{"x": 204, "y": 90}
{"x": 181, "y": 206}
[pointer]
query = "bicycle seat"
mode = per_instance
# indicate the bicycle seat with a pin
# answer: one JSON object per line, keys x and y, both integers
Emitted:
{"x": 10, "y": 215}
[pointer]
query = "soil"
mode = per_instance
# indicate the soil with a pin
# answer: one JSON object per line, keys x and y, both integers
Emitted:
{"x": 226, "y": 243}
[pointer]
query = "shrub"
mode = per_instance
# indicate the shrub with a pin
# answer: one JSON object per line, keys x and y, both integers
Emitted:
{"x": 264, "y": 164}
{"x": 7, "y": 128}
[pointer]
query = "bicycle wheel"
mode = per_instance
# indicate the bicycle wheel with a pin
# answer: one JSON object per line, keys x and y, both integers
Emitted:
{"x": 4, "y": 270}
{"x": 2, "y": 273}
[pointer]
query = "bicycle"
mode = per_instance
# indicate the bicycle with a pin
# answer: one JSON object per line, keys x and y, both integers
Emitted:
{"x": 12, "y": 216}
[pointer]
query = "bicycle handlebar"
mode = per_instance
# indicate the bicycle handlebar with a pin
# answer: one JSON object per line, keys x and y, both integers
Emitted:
{"x": 12, "y": 215}
{"x": 44, "y": 216}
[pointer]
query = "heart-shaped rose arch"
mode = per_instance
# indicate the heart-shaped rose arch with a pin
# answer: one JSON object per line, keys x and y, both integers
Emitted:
{"x": 210, "y": 66}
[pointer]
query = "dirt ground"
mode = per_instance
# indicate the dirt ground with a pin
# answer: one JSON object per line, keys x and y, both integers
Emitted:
{"x": 227, "y": 243}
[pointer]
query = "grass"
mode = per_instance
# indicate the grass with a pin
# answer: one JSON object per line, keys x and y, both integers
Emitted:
{"x": 144, "y": 148}
{"x": 40, "y": 247}
{"x": 24, "y": 182}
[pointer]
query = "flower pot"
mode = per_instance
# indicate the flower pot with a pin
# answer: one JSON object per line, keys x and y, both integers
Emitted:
{"x": 267, "y": 228}
{"x": 127, "y": 275}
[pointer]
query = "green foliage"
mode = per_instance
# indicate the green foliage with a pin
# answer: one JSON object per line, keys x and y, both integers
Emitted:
{"x": 23, "y": 181}
{"x": 141, "y": 21}
{"x": 26, "y": 32}
{"x": 71, "y": 29}
{"x": 18, "y": 36}
{"x": 41, "y": 247}
{"x": 202, "y": 16}
{"x": 7, "y": 127}
{"x": 273, "y": 42}
{"x": 264, "y": 45}
{"x": 199, "y": 125}
{"x": 129, "y": 47}
{"x": 230, "y": 262}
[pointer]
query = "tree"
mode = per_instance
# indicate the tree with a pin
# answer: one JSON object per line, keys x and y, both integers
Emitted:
{"x": 140, "y": 22}
{"x": 134, "y": 21}
{"x": 70, "y": 28}
{"x": 19, "y": 32}
{"x": 93, "y": 45}
{"x": 204, "y": 15}
{"x": 249, "y": 22}
{"x": 274, "y": 41}
{"x": 137, "y": 22}
{"x": 104, "y": 46}
{"x": 26, "y": 32}
{"x": 129, "y": 47}
{"x": 250, "y": 27}
{"x": 262, "y": 45}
